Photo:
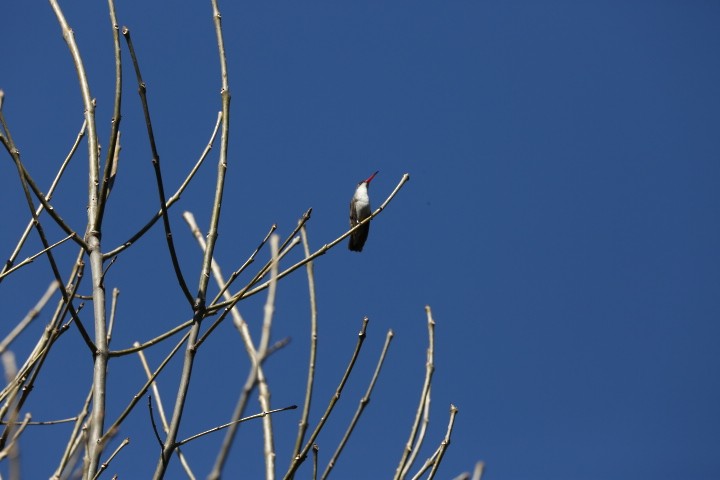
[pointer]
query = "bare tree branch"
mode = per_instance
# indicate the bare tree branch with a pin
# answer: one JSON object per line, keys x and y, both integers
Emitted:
{"x": 41, "y": 207}
{"x": 405, "y": 463}
{"x": 303, "y": 424}
{"x": 363, "y": 403}
{"x": 300, "y": 457}
{"x": 142, "y": 90}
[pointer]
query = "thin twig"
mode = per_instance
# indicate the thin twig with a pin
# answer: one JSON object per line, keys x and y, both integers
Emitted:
{"x": 280, "y": 344}
{"x": 405, "y": 465}
{"x": 479, "y": 470}
{"x": 113, "y": 311}
{"x": 363, "y": 403}
{"x": 242, "y": 268}
{"x": 444, "y": 444}
{"x": 48, "y": 422}
{"x": 315, "y": 451}
{"x": 437, "y": 457}
{"x": 220, "y": 427}
{"x": 420, "y": 437}
{"x": 32, "y": 258}
{"x": 111, "y": 162}
{"x": 301, "y": 223}
{"x": 31, "y": 315}
{"x": 303, "y": 424}
{"x": 154, "y": 341}
{"x": 106, "y": 463}
{"x": 300, "y": 457}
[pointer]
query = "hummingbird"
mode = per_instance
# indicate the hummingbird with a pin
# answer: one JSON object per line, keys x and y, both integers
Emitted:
{"x": 359, "y": 211}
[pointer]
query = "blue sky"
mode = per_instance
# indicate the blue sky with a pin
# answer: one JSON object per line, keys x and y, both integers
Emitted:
{"x": 561, "y": 220}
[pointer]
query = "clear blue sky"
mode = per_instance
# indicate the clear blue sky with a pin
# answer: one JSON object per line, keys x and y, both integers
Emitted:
{"x": 562, "y": 220}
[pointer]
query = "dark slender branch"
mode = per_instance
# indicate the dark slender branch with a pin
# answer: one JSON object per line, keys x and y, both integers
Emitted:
{"x": 152, "y": 421}
{"x": 142, "y": 90}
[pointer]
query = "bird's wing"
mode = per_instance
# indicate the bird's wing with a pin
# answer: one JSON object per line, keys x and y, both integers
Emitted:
{"x": 353, "y": 215}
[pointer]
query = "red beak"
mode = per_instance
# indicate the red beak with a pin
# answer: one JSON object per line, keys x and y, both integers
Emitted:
{"x": 372, "y": 176}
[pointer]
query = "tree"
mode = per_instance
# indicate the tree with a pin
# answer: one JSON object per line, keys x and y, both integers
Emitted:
{"x": 92, "y": 444}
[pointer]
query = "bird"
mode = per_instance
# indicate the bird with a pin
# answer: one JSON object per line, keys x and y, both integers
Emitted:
{"x": 359, "y": 211}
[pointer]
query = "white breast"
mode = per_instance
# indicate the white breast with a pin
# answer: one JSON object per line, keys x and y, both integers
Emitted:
{"x": 362, "y": 200}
